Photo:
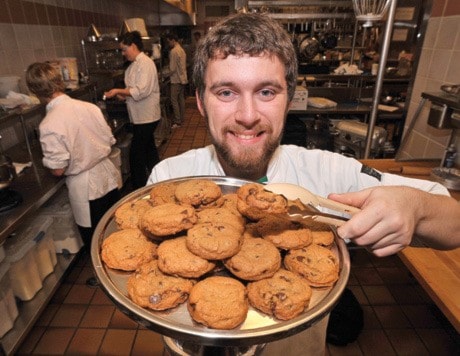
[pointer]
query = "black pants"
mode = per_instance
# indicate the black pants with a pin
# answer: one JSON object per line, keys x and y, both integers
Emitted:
{"x": 97, "y": 208}
{"x": 143, "y": 154}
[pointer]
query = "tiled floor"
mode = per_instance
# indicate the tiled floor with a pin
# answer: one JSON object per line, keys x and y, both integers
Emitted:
{"x": 399, "y": 317}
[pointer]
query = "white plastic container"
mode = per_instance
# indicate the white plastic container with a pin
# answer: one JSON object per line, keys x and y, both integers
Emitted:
{"x": 65, "y": 235}
{"x": 38, "y": 231}
{"x": 45, "y": 252}
{"x": 23, "y": 272}
{"x": 300, "y": 99}
{"x": 63, "y": 230}
{"x": 8, "y": 308}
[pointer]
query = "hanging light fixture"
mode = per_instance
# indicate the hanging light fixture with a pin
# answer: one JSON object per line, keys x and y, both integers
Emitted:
{"x": 370, "y": 11}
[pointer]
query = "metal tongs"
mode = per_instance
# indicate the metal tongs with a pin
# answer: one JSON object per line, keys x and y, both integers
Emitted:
{"x": 310, "y": 204}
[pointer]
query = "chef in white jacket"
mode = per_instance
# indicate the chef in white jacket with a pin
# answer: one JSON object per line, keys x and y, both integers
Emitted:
{"x": 245, "y": 72}
{"x": 76, "y": 142}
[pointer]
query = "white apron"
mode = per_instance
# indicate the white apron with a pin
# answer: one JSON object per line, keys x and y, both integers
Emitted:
{"x": 78, "y": 197}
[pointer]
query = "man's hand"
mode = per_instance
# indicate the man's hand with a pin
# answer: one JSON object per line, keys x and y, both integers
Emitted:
{"x": 387, "y": 221}
{"x": 58, "y": 172}
{"x": 111, "y": 93}
{"x": 120, "y": 94}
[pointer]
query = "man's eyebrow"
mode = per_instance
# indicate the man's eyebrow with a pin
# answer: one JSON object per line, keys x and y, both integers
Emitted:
{"x": 221, "y": 84}
{"x": 271, "y": 83}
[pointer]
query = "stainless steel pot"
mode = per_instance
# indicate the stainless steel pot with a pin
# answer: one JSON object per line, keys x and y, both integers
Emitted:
{"x": 309, "y": 47}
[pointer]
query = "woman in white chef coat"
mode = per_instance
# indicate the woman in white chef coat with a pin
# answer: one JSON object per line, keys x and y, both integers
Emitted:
{"x": 76, "y": 142}
{"x": 142, "y": 95}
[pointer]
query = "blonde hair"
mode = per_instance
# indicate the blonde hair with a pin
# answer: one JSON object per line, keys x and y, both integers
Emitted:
{"x": 44, "y": 80}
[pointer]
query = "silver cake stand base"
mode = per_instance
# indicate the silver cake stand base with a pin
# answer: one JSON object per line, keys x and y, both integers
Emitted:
{"x": 175, "y": 347}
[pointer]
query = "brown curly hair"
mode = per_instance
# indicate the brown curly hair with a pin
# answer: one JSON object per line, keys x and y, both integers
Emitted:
{"x": 246, "y": 33}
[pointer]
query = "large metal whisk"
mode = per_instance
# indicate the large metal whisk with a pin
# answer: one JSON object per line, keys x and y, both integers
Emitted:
{"x": 370, "y": 10}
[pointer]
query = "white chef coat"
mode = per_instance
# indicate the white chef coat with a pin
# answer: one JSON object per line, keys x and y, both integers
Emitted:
{"x": 141, "y": 78}
{"x": 178, "y": 65}
{"x": 321, "y": 172}
{"x": 74, "y": 135}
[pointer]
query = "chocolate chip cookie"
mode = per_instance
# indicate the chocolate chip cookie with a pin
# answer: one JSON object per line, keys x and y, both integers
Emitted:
{"x": 257, "y": 259}
{"x": 317, "y": 264}
{"x": 283, "y": 233}
{"x": 255, "y": 202}
{"x": 214, "y": 241}
{"x": 163, "y": 193}
{"x": 284, "y": 296}
{"x": 220, "y": 215}
{"x": 175, "y": 258}
{"x": 197, "y": 192}
{"x": 127, "y": 249}
{"x": 218, "y": 302}
{"x": 127, "y": 214}
{"x": 150, "y": 288}
{"x": 167, "y": 219}
{"x": 323, "y": 238}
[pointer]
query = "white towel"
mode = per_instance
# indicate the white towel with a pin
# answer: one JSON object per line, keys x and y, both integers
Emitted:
{"x": 19, "y": 167}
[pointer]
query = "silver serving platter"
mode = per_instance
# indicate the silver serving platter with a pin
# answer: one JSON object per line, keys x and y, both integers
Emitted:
{"x": 177, "y": 323}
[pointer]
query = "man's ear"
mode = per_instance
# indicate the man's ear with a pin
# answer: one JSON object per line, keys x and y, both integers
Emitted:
{"x": 199, "y": 104}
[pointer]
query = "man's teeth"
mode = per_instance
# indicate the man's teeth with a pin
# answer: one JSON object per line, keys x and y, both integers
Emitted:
{"x": 246, "y": 137}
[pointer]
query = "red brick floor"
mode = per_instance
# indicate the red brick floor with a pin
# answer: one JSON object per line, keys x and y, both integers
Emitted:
{"x": 399, "y": 317}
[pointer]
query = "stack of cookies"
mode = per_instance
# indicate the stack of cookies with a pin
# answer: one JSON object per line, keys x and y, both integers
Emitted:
{"x": 220, "y": 253}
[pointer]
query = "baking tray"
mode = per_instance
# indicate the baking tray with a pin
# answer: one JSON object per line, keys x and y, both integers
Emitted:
{"x": 177, "y": 323}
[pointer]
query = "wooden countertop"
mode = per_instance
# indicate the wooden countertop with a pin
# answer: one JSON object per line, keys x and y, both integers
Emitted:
{"x": 437, "y": 271}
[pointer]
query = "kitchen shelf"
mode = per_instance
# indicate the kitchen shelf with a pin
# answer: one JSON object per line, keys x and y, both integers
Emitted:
{"x": 35, "y": 184}
{"x": 30, "y": 311}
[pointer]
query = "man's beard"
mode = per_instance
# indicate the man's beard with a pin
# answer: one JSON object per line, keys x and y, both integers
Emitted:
{"x": 248, "y": 161}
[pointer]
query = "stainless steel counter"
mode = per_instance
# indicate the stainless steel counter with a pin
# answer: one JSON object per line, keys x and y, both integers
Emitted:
{"x": 341, "y": 108}
{"x": 349, "y": 109}
{"x": 35, "y": 184}
{"x": 452, "y": 101}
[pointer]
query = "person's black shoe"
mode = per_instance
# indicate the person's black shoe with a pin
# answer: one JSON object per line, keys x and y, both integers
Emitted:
{"x": 92, "y": 282}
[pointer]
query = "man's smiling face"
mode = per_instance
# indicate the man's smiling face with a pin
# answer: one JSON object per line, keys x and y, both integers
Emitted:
{"x": 245, "y": 104}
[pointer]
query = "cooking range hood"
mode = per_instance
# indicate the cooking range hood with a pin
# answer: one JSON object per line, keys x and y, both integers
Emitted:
{"x": 186, "y": 6}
